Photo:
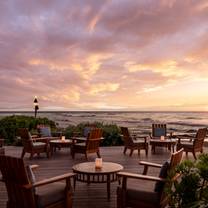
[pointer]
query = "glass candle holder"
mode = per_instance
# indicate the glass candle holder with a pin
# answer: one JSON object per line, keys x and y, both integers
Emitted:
{"x": 162, "y": 138}
{"x": 98, "y": 163}
{"x": 63, "y": 138}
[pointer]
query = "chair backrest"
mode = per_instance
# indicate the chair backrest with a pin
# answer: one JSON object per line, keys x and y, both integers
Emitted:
{"x": 88, "y": 128}
{"x": 174, "y": 161}
{"x": 93, "y": 140}
{"x": 126, "y": 136}
{"x": 199, "y": 140}
{"x": 26, "y": 138}
{"x": 15, "y": 176}
{"x": 159, "y": 130}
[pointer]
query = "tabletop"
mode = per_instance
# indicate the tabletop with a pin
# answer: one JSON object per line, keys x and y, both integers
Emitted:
{"x": 89, "y": 167}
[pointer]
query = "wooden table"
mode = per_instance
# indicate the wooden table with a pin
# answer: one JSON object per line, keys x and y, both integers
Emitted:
{"x": 86, "y": 172}
{"x": 82, "y": 139}
{"x": 167, "y": 142}
{"x": 59, "y": 143}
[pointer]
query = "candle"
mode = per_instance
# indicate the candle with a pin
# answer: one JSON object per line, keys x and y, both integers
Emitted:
{"x": 98, "y": 163}
{"x": 162, "y": 138}
{"x": 63, "y": 138}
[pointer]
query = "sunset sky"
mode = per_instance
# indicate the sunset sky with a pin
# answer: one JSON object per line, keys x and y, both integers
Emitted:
{"x": 104, "y": 54}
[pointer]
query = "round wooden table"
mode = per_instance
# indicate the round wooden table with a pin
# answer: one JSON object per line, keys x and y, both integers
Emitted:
{"x": 59, "y": 143}
{"x": 86, "y": 172}
{"x": 167, "y": 142}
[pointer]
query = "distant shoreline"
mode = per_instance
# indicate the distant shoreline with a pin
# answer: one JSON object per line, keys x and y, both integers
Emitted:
{"x": 109, "y": 111}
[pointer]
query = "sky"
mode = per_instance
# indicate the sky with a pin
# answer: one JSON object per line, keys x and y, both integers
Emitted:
{"x": 104, "y": 55}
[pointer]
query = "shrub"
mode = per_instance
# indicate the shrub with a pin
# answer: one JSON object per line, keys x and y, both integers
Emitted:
{"x": 111, "y": 132}
{"x": 10, "y": 124}
{"x": 192, "y": 189}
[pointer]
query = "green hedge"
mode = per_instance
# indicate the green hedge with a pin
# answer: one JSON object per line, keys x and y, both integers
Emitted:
{"x": 111, "y": 132}
{"x": 10, "y": 124}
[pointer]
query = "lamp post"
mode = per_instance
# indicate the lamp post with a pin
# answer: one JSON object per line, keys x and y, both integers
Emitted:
{"x": 36, "y": 107}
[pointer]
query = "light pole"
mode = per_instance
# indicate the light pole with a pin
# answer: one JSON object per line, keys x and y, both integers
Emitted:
{"x": 36, "y": 107}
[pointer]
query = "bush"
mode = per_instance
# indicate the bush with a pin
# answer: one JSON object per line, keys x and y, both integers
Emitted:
{"x": 192, "y": 189}
{"x": 10, "y": 124}
{"x": 111, "y": 132}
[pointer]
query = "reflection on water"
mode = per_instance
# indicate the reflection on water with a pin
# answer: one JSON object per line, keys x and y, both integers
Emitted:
{"x": 176, "y": 121}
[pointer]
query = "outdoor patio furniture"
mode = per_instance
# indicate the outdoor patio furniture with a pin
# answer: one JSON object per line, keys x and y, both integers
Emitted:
{"x": 159, "y": 132}
{"x": 45, "y": 131}
{"x": 195, "y": 143}
{"x": 133, "y": 143}
{"x": 157, "y": 198}
{"x": 60, "y": 143}
{"x": 87, "y": 173}
{"x": 24, "y": 192}
{"x": 86, "y": 130}
{"x": 91, "y": 145}
{"x": 32, "y": 146}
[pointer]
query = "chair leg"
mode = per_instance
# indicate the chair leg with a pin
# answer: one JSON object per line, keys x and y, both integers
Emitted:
{"x": 86, "y": 156}
{"x": 194, "y": 154}
{"x": 186, "y": 154}
{"x": 146, "y": 150}
{"x": 23, "y": 153}
{"x": 125, "y": 148}
{"x": 48, "y": 154}
{"x": 131, "y": 152}
{"x": 138, "y": 152}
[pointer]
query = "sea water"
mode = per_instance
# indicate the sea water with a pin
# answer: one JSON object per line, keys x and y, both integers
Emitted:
{"x": 176, "y": 121}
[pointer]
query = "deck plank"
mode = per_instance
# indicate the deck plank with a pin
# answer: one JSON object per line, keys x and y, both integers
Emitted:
{"x": 93, "y": 195}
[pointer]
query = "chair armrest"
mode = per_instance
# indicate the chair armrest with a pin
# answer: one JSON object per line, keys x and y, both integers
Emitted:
{"x": 34, "y": 167}
{"x": 188, "y": 137}
{"x": 149, "y": 164}
{"x": 35, "y": 136}
{"x": 50, "y": 180}
{"x": 156, "y": 165}
{"x": 139, "y": 176}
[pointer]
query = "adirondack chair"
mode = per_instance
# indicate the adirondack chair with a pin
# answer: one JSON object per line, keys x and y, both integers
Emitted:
{"x": 91, "y": 145}
{"x": 31, "y": 146}
{"x": 157, "y": 198}
{"x": 133, "y": 144}
{"x": 195, "y": 143}
{"x": 24, "y": 192}
{"x": 45, "y": 131}
{"x": 158, "y": 130}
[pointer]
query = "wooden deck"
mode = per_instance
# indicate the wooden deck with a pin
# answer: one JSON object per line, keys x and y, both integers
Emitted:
{"x": 93, "y": 195}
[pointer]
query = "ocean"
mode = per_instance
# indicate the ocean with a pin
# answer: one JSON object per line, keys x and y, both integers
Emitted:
{"x": 178, "y": 122}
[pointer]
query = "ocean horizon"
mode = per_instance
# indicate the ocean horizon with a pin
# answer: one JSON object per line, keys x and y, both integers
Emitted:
{"x": 177, "y": 121}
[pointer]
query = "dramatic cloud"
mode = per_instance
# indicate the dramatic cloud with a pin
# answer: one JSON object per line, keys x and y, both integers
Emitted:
{"x": 104, "y": 54}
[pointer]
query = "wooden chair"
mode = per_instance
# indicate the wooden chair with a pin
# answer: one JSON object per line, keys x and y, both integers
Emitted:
{"x": 90, "y": 146}
{"x": 32, "y": 146}
{"x": 2, "y": 150}
{"x": 133, "y": 143}
{"x": 158, "y": 130}
{"x": 157, "y": 198}
{"x": 193, "y": 146}
{"x": 24, "y": 192}
{"x": 45, "y": 131}
{"x": 86, "y": 130}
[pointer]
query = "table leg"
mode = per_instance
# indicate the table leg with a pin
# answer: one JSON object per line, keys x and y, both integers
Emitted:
{"x": 108, "y": 186}
{"x": 173, "y": 147}
{"x": 169, "y": 147}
